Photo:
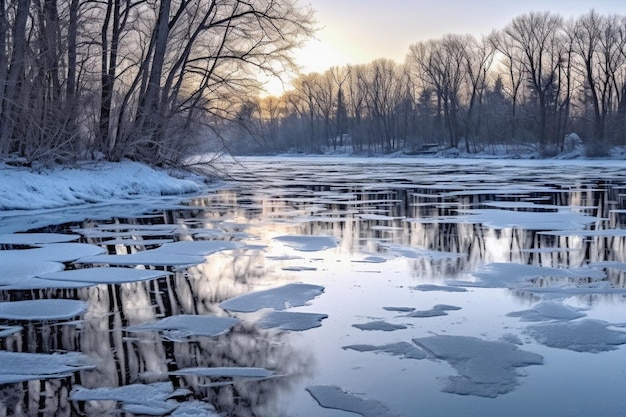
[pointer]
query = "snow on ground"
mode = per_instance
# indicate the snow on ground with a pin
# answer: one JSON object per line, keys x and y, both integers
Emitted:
{"x": 24, "y": 189}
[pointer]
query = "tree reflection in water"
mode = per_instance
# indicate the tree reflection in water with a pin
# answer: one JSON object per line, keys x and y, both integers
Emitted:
{"x": 372, "y": 217}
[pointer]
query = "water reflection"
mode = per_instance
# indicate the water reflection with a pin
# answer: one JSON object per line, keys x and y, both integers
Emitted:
{"x": 425, "y": 216}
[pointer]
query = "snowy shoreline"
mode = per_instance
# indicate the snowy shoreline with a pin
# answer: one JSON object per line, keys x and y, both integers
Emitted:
{"x": 59, "y": 187}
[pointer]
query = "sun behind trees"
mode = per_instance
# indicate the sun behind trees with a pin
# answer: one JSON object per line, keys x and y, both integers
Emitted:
{"x": 132, "y": 78}
{"x": 528, "y": 84}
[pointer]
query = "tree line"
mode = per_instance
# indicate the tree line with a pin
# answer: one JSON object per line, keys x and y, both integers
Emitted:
{"x": 141, "y": 79}
{"x": 530, "y": 83}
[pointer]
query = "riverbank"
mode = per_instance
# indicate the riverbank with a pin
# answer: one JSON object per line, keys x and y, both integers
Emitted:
{"x": 96, "y": 182}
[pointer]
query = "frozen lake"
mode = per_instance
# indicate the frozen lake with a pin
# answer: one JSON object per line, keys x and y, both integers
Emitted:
{"x": 328, "y": 287}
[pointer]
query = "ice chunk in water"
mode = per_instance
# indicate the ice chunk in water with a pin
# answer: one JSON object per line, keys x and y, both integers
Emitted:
{"x": 52, "y": 309}
{"x": 548, "y": 311}
{"x": 36, "y": 238}
{"x": 402, "y": 349}
{"x": 110, "y": 275}
{"x": 444, "y": 288}
{"x": 331, "y": 396}
{"x": 290, "y": 295}
{"x": 287, "y": 320}
{"x": 379, "y": 325}
{"x": 226, "y": 372}
{"x": 186, "y": 325}
{"x": 306, "y": 243}
{"x": 486, "y": 368}
{"x": 591, "y": 336}
{"x": 17, "y": 366}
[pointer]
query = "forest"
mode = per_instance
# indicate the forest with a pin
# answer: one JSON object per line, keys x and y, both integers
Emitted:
{"x": 529, "y": 84}
{"x": 140, "y": 79}
{"x": 158, "y": 80}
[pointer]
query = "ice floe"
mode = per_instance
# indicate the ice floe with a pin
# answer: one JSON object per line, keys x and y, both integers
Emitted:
{"x": 281, "y": 298}
{"x": 402, "y": 349}
{"x": 307, "y": 243}
{"x": 226, "y": 372}
{"x": 512, "y": 275}
{"x": 502, "y": 219}
{"x": 14, "y": 269}
{"x": 197, "y": 247}
{"x": 109, "y": 275}
{"x": 145, "y": 399}
{"x": 46, "y": 309}
{"x": 587, "y": 335}
{"x": 417, "y": 253}
{"x": 36, "y": 238}
{"x": 548, "y": 310}
{"x": 148, "y": 257}
{"x": 438, "y": 310}
{"x": 486, "y": 368}
{"x": 53, "y": 252}
{"x": 331, "y": 396}
{"x": 9, "y": 330}
{"x": 379, "y": 325}
{"x": 187, "y": 325}
{"x": 287, "y": 320}
{"x": 19, "y": 366}
{"x": 443, "y": 288}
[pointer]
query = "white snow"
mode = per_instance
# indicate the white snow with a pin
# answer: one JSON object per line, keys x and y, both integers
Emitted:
{"x": 281, "y": 298}
{"x": 25, "y": 189}
{"x": 46, "y": 309}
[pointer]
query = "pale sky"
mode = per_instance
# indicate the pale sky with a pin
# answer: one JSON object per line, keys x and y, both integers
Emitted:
{"x": 360, "y": 31}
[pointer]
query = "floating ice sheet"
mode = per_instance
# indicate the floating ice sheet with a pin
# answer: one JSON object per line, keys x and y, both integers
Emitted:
{"x": 226, "y": 372}
{"x": 306, "y": 243}
{"x": 147, "y": 257}
{"x": 19, "y": 267}
{"x": 47, "y": 309}
{"x": 9, "y": 330}
{"x": 197, "y": 247}
{"x": 36, "y": 238}
{"x": 186, "y": 325}
{"x": 110, "y": 275}
{"x": 331, "y": 396}
{"x": 443, "y": 288}
{"x": 18, "y": 366}
{"x": 511, "y": 275}
{"x": 402, "y": 349}
{"x": 379, "y": 325}
{"x": 547, "y": 311}
{"x": 148, "y": 399}
{"x": 502, "y": 219}
{"x": 438, "y": 310}
{"x": 591, "y": 336}
{"x": 287, "y": 320}
{"x": 486, "y": 368}
{"x": 53, "y": 252}
{"x": 416, "y": 253}
{"x": 281, "y": 298}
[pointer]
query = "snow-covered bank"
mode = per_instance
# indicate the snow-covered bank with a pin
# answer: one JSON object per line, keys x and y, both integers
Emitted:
{"x": 25, "y": 189}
